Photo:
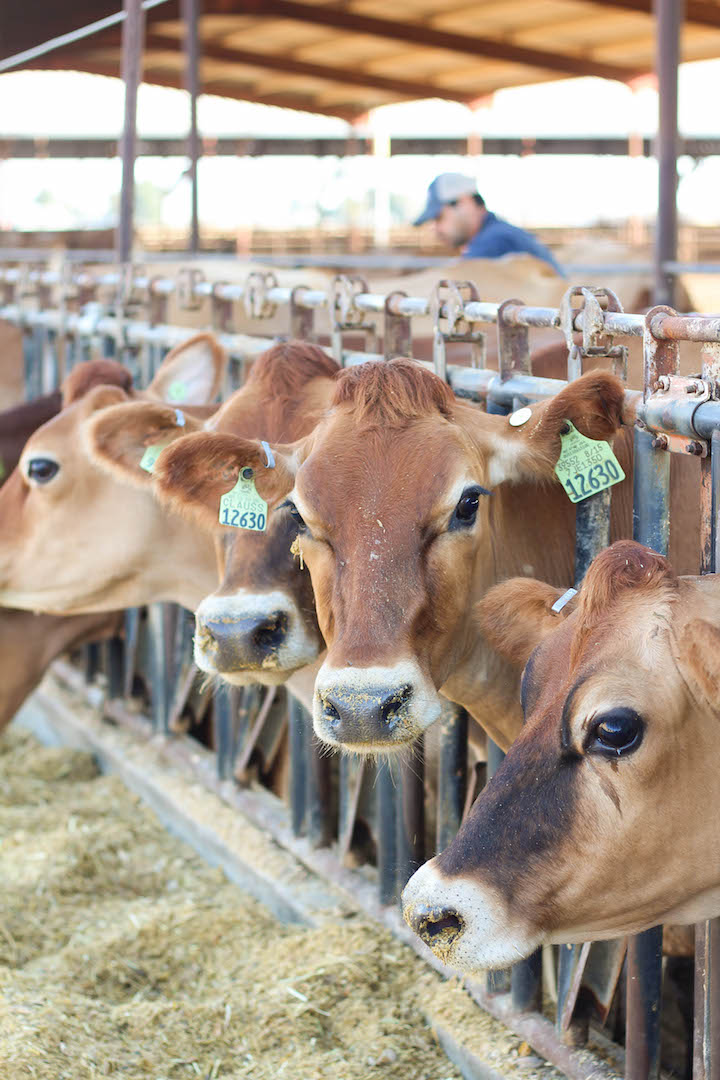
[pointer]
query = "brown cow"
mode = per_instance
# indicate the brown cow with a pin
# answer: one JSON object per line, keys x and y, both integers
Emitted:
{"x": 17, "y": 425}
{"x": 260, "y": 624}
{"x": 601, "y": 820}
{"x": 29, "y": 643}
{"x": 71, "y": 539}
{"x": 411, "y": 504}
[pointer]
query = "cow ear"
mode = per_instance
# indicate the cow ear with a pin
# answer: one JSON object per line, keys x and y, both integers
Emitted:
{"x": 518, "y": 614}
{"x": 699, "y": 649}
{"x": 191, "y": 373}
{"x": 100, "y": 397}
{"x": 194, "y": 473}
{"x": 120, "y": 438}
{"x": 594, "y": 404}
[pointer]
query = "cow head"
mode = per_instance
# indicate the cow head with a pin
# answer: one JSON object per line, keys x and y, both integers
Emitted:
{"x": 73, "y": 539}
{"x": 396, "y": 495}
{"x": 260, "y": 624}
{"x": 601, "y": 820}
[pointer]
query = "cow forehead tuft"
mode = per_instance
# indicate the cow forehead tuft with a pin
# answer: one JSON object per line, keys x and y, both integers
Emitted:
{"x": 88, "y": 374}
{"x": 393, "y": 393}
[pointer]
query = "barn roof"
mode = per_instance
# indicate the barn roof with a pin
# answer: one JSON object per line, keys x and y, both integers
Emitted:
{"x": 344, "y": 58}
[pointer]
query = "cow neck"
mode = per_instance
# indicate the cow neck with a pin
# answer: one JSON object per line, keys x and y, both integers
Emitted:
{"x": 530, "y": 533}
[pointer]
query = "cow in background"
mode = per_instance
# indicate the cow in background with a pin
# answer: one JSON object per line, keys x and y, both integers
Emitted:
{"x": 29, "y": 642}
{"x": 260, "y": 625}
{"x": 72, "y": 539}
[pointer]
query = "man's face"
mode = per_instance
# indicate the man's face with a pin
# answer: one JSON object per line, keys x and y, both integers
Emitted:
{"x": 457, "y": 222}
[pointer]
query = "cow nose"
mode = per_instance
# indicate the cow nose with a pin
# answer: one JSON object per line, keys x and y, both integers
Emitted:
{"x": 359, "y": 715}
{"x": 233, "y": 644}
{"x": 439, "y": 927}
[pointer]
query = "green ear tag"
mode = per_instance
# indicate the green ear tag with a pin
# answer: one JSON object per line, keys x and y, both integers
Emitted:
{"x": 242, "y": 508}
{"x": 177, "y": 390}
{"x": 152, "y": 453}
{"x": 586, "y": 466}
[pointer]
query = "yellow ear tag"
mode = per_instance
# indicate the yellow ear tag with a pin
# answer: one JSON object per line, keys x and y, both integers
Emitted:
{"x": 586, "y": 466}
{"x": 242, "y": 507}
{"x": 152, "y": 453}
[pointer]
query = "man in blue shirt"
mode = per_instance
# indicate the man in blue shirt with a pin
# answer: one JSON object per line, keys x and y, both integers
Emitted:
{"x": 463, "y": 221}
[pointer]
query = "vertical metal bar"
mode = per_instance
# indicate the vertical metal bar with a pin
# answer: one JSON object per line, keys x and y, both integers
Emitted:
{"x": 132, "y": 628}
{"x": 157, "y": 659}
{"x": 592, "y": 531}
{"x": 92, "y": 660}
{"x": 387, "y": 850}
{"x": 651, "y": 526}
{"x": 644, "y": 984}
{"x": 298, "y": 765}
{"x": 397, "y": 329}
{"x": 223, "y": 730}
{"x": 352, "y": 770}
{"x": 452, "y": 770}
{"x": 706, "y": 1035}
{"x": 500, "y": 981}
{"x": 411, "y": 819}
{"x": 115, "y": 666}
{"x": 320, "y": 821}
{"x": 526, "y": 983}
{"x": 133, "y": 32}
{"x": 189, "y": 10}
{"x": 669, "y": 15}
{"x": 706, "y": 1042}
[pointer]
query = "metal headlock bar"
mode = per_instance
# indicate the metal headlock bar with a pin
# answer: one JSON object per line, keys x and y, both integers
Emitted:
{"x": 375, "y": 812}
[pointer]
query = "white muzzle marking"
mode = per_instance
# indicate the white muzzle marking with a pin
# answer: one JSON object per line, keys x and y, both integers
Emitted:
{"x": 299, "y": 646}
{"x": 406, "y": 701}
{"x": 487, "y": 939}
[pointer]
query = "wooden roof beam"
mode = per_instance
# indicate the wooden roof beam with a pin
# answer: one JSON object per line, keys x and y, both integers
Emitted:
{"x": 286, "y": 65}
{"x": 425, "y": 35}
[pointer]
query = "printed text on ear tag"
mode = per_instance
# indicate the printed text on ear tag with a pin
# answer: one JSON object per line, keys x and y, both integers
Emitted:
{"x": 152, "y": 453}
{"x": 242, "y": 508}
{"x": 586, "y": 466}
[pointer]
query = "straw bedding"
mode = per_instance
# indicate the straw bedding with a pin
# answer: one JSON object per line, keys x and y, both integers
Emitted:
{"x": 123, "y": 954}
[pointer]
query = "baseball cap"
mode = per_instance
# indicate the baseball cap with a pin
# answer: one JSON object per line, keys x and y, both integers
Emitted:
{"x": 444, "y": 189}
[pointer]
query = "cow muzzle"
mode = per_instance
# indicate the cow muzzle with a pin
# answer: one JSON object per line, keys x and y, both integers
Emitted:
{"x": 252, "y": 638}
{"x": 370, "y": 709}
{"x": 464, "y": 923}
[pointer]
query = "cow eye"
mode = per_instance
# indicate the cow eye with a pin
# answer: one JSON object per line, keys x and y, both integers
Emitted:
{"x": 466, "y": 510}
{"x": 617, "y": 732}
{"x": 295, "y": 515}
{"x": 41, "y": 469}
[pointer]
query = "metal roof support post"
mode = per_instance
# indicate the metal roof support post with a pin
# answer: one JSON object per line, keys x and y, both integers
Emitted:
{"x": 669, "y": 17}
{"x": 132, "y": 48}
{"x": 192, "y": 59}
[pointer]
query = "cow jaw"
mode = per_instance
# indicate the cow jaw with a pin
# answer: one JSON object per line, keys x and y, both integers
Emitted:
{"x": 251, "y": 637}
{"x": 463, "y": 922}
{"x": 368, "y": 710}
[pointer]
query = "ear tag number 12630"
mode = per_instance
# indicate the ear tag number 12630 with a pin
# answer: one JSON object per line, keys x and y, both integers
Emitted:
{"x": 586, "y": 466}
{"x": 242, "y": 508}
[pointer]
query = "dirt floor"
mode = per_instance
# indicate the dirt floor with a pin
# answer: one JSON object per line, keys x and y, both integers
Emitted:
{"x": 123, "y": 954}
